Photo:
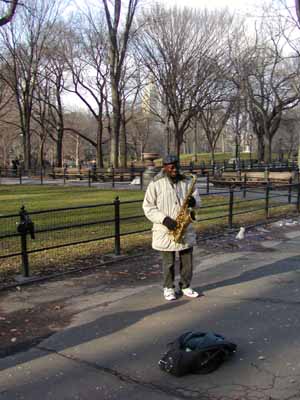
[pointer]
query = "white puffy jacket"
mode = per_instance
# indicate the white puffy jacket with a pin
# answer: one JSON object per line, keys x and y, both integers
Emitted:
{"x": 164, "y": 199}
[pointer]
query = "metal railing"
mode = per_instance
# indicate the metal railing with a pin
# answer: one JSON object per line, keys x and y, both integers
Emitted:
{"x": 112, "y": 175}
{"x": 25, "y": 233}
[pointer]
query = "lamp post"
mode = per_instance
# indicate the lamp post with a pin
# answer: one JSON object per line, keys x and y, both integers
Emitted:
{"x": 250, "y": 140}
{"x": 195, "y": 141}
{"x": 297, "y": 3}
{"x": 280, "y": 153}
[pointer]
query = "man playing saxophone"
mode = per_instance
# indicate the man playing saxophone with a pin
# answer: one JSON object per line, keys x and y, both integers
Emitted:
{"x": 167, "y": 203}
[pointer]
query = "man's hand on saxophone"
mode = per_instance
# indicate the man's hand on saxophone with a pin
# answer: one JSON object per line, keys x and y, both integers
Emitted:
{"x": 191, "y": 202}
{"x": 191, "y": 205}
{"x": 170, "y": 223}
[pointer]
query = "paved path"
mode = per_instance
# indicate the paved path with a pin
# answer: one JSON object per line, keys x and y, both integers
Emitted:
{"x": 111, "y": 348}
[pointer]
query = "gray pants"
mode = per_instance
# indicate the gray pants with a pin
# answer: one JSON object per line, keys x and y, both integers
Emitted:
{"x": 185, "y": 267}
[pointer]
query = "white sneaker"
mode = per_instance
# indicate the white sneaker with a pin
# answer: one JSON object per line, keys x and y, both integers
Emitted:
{"x": 189, "y": 292}
{"x": 169, "y": 294}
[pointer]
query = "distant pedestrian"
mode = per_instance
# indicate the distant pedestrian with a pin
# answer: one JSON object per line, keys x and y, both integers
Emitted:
{"x": 15, "y": 165}
{"x": 162, "y": 203}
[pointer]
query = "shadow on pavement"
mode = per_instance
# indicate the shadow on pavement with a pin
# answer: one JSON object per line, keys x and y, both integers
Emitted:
{"x": 291, "y": 264}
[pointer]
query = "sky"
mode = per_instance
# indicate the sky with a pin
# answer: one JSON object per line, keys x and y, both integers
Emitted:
{"x": 240, "y": 6}
{"x": 235, "y": 4}
{"x": 249, "y": 8}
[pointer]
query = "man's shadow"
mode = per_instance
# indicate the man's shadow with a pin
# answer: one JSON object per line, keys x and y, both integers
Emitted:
{"x": 291, "y": 264}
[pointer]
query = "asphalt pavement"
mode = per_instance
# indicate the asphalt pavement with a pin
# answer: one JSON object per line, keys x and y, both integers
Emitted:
{"x": 111, "y": 348}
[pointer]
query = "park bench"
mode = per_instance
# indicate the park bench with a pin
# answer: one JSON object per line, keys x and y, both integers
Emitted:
{"x": 230, "y": 176}
{"x": 57, "y": 172}
{"x": 122, "y": 174}
{"x": 284, "y": 177}
{"x": 115, "y": 174}
{"x": 254, "y": 178}
{"x": 77, "y": 173}
{"x": 69, "y": 173}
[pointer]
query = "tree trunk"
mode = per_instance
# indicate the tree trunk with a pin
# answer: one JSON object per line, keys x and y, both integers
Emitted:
{"x": 178, "y": 143}
{"x": 24, "y": 145}
{"x": 260, "y": 148}
{"x": 41, "y": 152}
{"x": 99, "y": 150}
{"x": 26, "y": 142}
{"x": 123, "y": 147}
{"x": 114, "y": 154}
{"x": 269, "y": 150}
{"x": 77, "y": 156}
{"x": 59, "y": 153}
{"x": 212, "y": 151}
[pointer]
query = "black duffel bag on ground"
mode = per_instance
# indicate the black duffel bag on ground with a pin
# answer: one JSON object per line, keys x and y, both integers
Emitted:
{"x": 196, "y": 353}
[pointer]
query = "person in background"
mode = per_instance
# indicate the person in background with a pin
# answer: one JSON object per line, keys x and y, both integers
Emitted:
{"x": 163, "y": 199}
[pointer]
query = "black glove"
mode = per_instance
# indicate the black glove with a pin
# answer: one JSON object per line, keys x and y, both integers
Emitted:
{"x": 170, "y": 223}
{"x": 191, "y": 202}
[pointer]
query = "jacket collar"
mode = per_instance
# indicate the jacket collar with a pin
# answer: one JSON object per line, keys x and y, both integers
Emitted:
{"x": 179, "y": 177}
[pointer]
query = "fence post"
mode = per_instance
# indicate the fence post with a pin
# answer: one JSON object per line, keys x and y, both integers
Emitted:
{"x": 42, "y": 176}
{"x": 298, "y": 198}
{"x": 94, "y": 170}
{"x": 22, "y": 229}
{"x": 89, "y": 178}
{"x": 245, "y": 186}
{"x": 266, "y": 173}
{"x": 113, "y": 177}
{"x": 132, "y": 172}
{"x": 20, "y": 175}
{"x": 65, "y": 173}
{"x": 290, "y": 191}
{"x": 117, "y": 226}
{"x": 267, "y": 200}
{"x": 239, "y": 174}
{"x": 230, "y": 210}
{"x": 141, "y": 180}
{"x": 207, "y": 182}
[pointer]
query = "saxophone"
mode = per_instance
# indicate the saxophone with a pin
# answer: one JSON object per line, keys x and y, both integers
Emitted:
{"x": 185, "y": 216}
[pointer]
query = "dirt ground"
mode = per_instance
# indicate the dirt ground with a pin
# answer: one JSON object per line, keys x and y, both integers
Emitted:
{"x": 23, "y": 329}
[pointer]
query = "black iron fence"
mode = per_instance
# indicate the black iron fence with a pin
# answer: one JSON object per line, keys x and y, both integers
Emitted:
{"x": 23, "y": 234}
{"x": 91, "y": 175}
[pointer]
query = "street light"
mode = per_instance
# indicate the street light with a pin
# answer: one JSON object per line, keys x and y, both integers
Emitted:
{"x": 250, "y": 140}
{"x": 280, "y": 152}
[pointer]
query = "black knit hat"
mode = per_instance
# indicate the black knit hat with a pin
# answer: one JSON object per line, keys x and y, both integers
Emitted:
{"x": 170, "y": 159}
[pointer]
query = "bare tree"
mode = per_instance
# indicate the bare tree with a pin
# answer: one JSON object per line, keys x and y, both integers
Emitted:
{"x": 180, "y": 48}
{"x": 9, "y": 11}
{"x": 266, "y": 76}
{"x": 88, "y": 64}
{"x": 24, "y": 43}
{"x": 119, "y": 37}
{"x": 138, "y": 133}
{"x": 272, "y": 88}
{"x": 213, "y": 118}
